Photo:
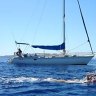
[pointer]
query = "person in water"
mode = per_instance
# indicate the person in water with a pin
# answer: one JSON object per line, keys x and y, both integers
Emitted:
{"x": 91, "y": 78}
{"x": 19, "y": 52}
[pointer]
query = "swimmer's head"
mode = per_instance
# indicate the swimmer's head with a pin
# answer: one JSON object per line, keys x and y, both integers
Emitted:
{"x": 91, "y": 77}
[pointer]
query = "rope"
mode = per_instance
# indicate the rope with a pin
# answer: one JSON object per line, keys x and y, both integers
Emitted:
{"x": 13, "y": 36}
{"x": 78, "y": 46}
{"x": 40, "y": 19}
{"x": 28, "y": 23}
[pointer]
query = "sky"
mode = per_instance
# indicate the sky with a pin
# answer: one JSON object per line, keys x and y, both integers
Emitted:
{"x": 40, "y": 22}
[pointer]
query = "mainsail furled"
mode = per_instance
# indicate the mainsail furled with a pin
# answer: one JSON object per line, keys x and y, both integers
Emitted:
{"x": 53, "y": 47}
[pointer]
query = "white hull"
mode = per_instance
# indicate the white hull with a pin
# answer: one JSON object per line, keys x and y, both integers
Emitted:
{"x": 77, "y": 60}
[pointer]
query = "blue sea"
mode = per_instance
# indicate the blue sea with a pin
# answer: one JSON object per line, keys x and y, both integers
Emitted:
{"x": 38, "y": 80}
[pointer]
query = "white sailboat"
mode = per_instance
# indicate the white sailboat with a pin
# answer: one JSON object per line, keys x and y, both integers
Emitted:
{"x": 63, "y": 58}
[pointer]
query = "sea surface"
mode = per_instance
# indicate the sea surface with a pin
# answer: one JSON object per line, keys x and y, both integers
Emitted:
{"x": 40, "y": 80}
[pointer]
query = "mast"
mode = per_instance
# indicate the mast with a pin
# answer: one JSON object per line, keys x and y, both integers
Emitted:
{"x": 64, "y": 50}
{"x": 85, "y": 27}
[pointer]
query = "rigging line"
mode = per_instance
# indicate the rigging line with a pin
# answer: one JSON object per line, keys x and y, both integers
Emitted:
{"x": 40, "y": 19}
{"x": 13, "y": 36}
{"x": 25, "y": 49}
{"x": 59, "y": 52}
{"x": 85, "y": 27}
{"x": 28, "y": 23}
{"x": 78, "y": 46}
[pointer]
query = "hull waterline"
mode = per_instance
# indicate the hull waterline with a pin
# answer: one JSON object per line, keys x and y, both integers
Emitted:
{"x": 77, "y": 60}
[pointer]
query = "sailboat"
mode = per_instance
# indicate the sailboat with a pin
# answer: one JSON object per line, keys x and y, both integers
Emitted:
{"x": 63, "y": 58}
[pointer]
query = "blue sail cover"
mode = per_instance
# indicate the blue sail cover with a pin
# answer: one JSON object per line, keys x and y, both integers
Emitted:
{"x": 55, "y": 47}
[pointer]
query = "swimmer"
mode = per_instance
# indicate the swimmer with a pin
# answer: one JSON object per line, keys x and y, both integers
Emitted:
{"x": 91, "y": 78}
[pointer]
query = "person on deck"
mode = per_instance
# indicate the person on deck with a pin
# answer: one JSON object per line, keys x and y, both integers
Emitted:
{"x": 19, "y": 52}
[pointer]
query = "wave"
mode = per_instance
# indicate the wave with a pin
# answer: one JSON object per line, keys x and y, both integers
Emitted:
{"x": 19, "y": 79}
{"x": 66, "y": 81}
{"x": 33, "y": 79}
